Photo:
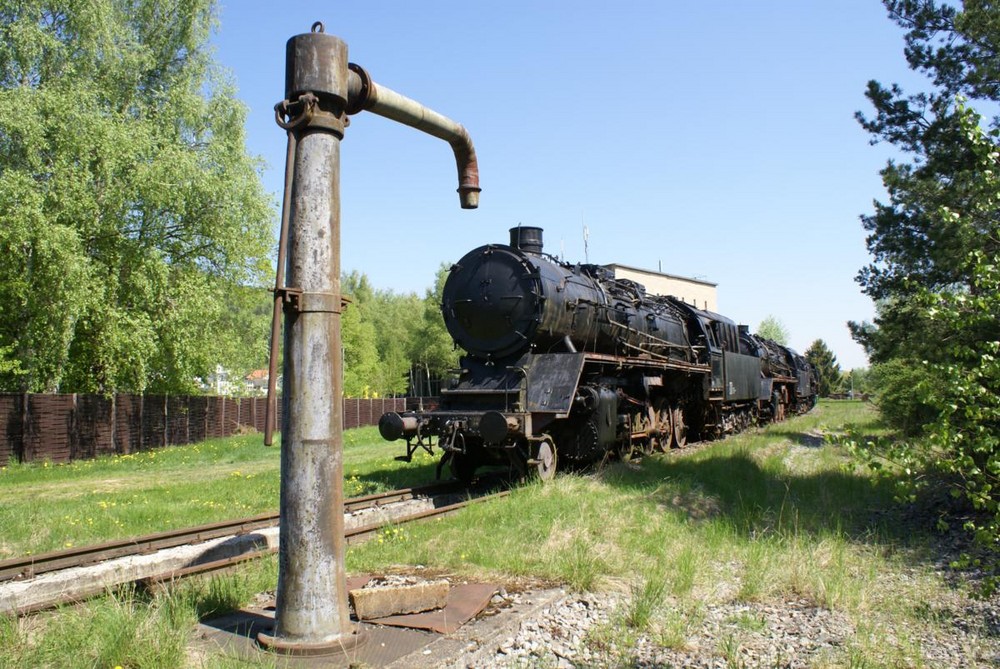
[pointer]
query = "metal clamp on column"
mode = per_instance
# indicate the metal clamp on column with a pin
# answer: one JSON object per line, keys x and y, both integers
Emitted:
{"x": 306, "y": 113}
{"x": 290, "y": 114}
{"x": 295, "y": 300}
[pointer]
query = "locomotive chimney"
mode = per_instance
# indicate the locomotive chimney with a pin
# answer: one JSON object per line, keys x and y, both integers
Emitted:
{"x": 527, "y": 239}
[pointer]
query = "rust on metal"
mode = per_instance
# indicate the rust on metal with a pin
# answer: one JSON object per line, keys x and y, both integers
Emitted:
{"x": 27, "y": 567}
{"x": 18, "y": 568}
{"x": 90, "y": 555}
{"x": 465, "y": 601}
{"x": 153, "y": 583}
{"x": 365, "y": 94}
{"x": 311, "y": 602}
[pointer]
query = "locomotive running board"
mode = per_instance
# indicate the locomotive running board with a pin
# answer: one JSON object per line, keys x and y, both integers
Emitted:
{"x": 649, "y": 363}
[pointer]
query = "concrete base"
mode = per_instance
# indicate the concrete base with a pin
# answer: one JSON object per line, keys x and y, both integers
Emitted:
{"x": 391, "y": 647}
{"x": 236, "y": 635}
{"x": 345, "y": 645}
{"x": 375, "y": 600}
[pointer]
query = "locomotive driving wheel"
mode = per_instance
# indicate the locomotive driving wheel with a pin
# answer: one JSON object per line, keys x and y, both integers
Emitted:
{"x": 545, "y": 460}
{"x": 646, "y": 445}
{"x": 780, "y": 403}
{"x": 632, "y": 445}
{"x": 680, "y": 429}
{"x": 664, "y": 426}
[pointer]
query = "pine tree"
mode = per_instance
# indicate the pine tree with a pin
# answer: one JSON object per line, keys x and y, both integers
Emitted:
{"x": 936, "y": 253}
{"x": 830, "y": 376}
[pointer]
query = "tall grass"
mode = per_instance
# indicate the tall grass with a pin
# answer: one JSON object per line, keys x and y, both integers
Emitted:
{"x": 766, "y": 516}
{"x": 131, "y": 628}
{"x": 123, "y": 630}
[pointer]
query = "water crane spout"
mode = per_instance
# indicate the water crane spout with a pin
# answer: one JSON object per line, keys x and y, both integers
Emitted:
{"x": 365, "y": 95}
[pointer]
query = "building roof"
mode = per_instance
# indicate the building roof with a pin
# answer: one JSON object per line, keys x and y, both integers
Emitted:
{"x": 663, "y": 274}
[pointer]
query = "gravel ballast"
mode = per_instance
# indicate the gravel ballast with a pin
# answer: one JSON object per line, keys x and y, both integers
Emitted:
{"x": 587, "y": 630}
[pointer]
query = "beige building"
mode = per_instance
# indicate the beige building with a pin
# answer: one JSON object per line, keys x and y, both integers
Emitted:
{"x": 701, "y": 294}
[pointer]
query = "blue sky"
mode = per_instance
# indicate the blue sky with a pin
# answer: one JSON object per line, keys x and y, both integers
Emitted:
{"x": 712, "y": 139}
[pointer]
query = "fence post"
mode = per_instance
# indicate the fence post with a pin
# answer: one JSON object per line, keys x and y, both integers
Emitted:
{"x": 72, "y": 433}
{"x": 114, "y": 422}
{"x": 142, "y": 422}
{"x": 20, "y": 452}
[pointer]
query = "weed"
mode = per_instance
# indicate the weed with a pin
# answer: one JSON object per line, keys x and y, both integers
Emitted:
{"x": 645, "y": 601}
{"x": 683, "y": 572}
{"x": 675, "y": 623}
{"x": 115, "y": 497}
{"x": 673, "y": 629}
{"x": 756, "y": 571}
{"x": 729, "y": 648}
{"x": 612, "y": 642}
{"x": 748, "y": 621}
{"x": 581, "y": 565}
{"x": 753, "y": 518}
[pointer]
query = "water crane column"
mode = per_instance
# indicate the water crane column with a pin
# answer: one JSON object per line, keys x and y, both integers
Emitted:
{"x": 321, "y": 90}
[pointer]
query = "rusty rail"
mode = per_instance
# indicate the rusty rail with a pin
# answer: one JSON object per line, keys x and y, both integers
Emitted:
{"x": 27, "y": 567}
{"x": 354, "y": 535}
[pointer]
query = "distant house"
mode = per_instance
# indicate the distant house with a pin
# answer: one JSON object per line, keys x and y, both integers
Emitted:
{"x": 219, "y": 383}
{"x": 256, "y": 382}
{"x": 226, "y": 384}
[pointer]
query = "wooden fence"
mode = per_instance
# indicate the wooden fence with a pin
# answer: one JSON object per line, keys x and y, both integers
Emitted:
{"x": 60, "y": 428}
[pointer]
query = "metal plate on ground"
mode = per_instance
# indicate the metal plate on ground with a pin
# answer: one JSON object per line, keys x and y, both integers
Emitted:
{"x": 235, "y": 636}
{"x": 465, "y": 601}
{"x": 387, "y": 639}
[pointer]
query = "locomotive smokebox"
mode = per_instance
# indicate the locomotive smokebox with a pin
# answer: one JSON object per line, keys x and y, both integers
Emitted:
{"x": 527, "y": 239}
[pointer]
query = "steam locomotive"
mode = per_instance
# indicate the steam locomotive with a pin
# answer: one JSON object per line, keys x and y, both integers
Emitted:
{"x": 567, "y": 364}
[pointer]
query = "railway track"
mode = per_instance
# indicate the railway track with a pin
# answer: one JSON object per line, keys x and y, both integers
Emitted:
{"x": 30, "y": 566}
{"x": 19, "y": 574}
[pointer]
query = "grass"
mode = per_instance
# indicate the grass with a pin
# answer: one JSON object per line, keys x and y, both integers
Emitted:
{"x": 53, "y": 506}
{"x": 763, "y": 517}
{"x": 131, "y": 629}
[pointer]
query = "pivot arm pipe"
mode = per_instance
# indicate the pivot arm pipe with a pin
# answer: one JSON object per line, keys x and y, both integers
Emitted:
{"x": 365, "y": 95}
